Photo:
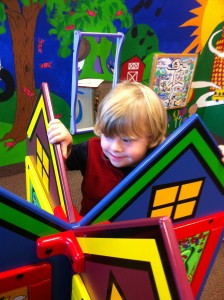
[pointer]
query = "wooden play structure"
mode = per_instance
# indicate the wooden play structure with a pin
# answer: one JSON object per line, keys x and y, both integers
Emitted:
{"x": 154, "y": 236}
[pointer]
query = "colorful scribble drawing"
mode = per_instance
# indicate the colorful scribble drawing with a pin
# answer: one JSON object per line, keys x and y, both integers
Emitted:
{"x": 171, "y": 78}
{"x": 191, "y": 249}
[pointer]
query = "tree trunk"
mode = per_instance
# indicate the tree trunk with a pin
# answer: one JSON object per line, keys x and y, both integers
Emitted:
{"x": 22, "y": 25}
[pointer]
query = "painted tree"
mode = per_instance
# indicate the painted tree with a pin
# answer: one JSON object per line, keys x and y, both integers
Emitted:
{"x": 64, "y": 17}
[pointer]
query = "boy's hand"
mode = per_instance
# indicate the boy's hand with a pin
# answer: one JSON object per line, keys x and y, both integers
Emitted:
{"x": 221, "y": 147}
{"x": 58, "y": 133}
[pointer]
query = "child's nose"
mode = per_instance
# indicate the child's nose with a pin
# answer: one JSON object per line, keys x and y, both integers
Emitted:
{"x": 117, "y": 145}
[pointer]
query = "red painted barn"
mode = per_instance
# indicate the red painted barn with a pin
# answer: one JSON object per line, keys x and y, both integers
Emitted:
{"x": 132, "y": 69}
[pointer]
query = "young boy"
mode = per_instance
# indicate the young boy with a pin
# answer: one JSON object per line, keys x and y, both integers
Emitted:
{"x": 131, "y": 122}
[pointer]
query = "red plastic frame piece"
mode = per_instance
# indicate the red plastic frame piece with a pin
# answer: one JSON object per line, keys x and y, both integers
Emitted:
{"x": 64, "y": 243}
{"x": 77, "y": 215}
{"x": 36, "y": 278}
{"x": 58, "y": 212}
{"x": 214, "y": 224}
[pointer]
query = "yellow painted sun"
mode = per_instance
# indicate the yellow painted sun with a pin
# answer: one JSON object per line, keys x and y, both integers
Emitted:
{"x": 208, "y": 15}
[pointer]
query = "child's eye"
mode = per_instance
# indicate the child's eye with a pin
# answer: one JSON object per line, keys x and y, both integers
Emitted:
{"x": 106, "y": 137}
{"x": 126, "y": 140}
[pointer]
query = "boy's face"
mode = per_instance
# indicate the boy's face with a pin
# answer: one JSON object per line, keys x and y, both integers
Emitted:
{"x": 124, "y": 152}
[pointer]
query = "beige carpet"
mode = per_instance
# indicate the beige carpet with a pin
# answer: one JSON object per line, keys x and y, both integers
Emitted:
{"x": 13, "y": 179}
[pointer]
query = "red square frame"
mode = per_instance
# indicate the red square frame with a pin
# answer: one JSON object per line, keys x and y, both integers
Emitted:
{"x": 214, "y": 224}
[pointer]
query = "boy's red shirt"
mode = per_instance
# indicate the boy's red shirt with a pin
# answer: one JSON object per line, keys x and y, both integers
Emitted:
{"x": 100, "y": 176}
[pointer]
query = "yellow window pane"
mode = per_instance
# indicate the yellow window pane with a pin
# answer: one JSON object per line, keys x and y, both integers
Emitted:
{"x": 161, "y": 212}
{"x": 46, "y": 162}
{"x": 39, "y": 149}
{"x": 190, "y": 190}
{"x": 165, "y": 196}
{"x": 46, "y": 181}
{"x": 39, "y": 166}
{"x": 184, "y": 210}
{"x": 115, "y": 294}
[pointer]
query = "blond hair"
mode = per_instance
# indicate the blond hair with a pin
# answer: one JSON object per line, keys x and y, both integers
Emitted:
{"x": 132, "y": 110}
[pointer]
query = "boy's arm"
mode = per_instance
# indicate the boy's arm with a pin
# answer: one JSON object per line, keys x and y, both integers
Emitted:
{"x": 58, "y": 133}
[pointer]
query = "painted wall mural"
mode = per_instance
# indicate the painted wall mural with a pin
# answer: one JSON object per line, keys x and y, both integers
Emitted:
{"x": 36, "y": 39}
